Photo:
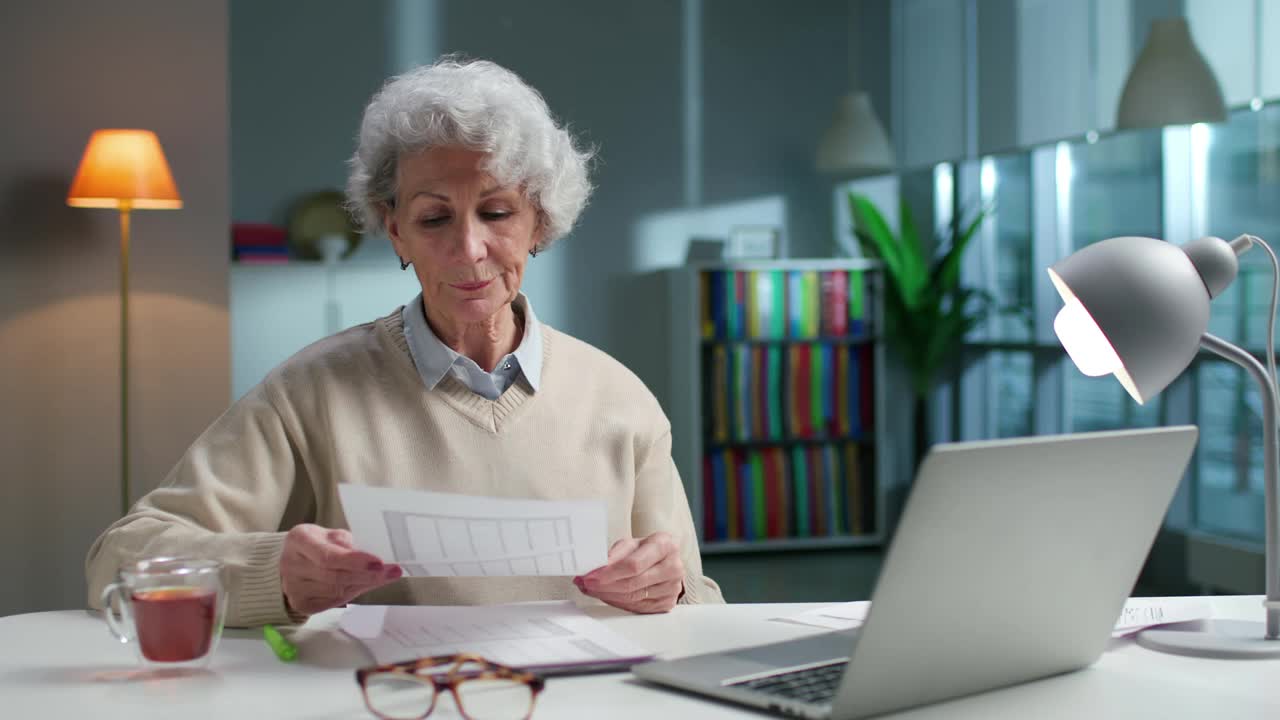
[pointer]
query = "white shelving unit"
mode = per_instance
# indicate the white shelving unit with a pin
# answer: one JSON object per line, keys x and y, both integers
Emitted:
{"x": 687, "y": 398}
{"x": 276, "y": 310}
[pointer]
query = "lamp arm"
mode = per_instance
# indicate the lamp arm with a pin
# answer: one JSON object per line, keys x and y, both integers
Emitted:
{"x": 1270, "y": 456}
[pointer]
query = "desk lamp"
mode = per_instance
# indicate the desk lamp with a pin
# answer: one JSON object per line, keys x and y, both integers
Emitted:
{"x": 1138, "y": 308}
{"x": 124, "y": 170}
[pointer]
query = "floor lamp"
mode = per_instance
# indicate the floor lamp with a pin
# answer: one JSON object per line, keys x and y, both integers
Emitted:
{"x": 1138, "y": 308}
{"x": 124, "y": 170}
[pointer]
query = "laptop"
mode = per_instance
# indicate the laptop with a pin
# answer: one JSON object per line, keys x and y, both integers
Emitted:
{"x": 1012, "y": 562}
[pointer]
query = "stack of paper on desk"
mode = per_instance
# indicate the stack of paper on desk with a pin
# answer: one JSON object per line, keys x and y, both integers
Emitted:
{"x": 542, "y": 636}
{"x": 1138, "y": 614}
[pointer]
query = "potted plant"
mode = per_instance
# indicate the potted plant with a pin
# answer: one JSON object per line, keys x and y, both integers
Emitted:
{"x": 927, "y": 312}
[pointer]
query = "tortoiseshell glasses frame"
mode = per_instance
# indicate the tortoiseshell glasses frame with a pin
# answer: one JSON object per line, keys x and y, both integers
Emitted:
{"x": 449, "y": 672}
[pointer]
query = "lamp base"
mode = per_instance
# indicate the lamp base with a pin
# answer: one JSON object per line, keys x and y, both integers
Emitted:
{"x": 1225, "y": 639}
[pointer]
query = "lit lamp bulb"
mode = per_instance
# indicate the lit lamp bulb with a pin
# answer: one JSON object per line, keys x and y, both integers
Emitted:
{"x": 1086, "y": 344}
{"x": 1084, "y": 341}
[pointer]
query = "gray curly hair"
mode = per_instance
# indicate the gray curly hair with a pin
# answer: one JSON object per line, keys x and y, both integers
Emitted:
{"x": 478, "y": 105}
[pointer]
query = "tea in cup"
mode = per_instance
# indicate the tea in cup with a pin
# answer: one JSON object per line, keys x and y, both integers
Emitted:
{"x": 170, "y": 609}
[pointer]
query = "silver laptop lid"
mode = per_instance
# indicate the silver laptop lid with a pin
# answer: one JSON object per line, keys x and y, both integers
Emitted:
{"x": 1012, "y": 561}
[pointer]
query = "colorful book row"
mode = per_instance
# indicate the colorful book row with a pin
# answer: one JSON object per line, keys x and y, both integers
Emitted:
{"x": 783, "y": 304}
{"x": 792, "y": 492}
{"x": 755, "y": 393}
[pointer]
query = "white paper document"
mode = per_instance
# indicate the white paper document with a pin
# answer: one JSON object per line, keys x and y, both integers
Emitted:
{"x": 1142, "y": 613}
{"x": 431, "y": 534}
{"x": 1138, "y": 614}
{"x": 540, "y": 635}
{"x": 834, "y": 617}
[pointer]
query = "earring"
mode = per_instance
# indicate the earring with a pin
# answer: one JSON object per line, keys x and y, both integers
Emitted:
{"x": 533, "y": 252}
{"x": 403, "y": 265}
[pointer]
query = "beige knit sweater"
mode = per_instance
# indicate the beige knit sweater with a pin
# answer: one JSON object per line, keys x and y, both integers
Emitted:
{"x": 352, "y": 409}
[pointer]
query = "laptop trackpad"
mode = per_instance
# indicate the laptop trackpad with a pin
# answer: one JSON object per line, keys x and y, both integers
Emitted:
{"x": 798, "y": 652}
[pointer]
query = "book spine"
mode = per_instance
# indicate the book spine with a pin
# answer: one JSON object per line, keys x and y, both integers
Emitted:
{"x": 812, "y": 318}
{"x": 774, "y": 393}
{"x": 708, "y": 324}
{"x": 718, "y": 293}
{"x": 720, "y": 393}
{"x": 760, "y": 512}
{"x": 817, "y": 373}
{"x": 778, "y": 308}
{"x": 804, "y": 392}
{"x": 800, "y": 483}
{"x": 733, "y": 529}
{"x": 817, "y": 497}
{"x": 857, "y": 306}
{"x": 785, "y": 514}
{"x": 722, "y": 496}
{"x": 840, "y": 302}
{"x": 795, "y": 304}
{"x": 708, "y": 498}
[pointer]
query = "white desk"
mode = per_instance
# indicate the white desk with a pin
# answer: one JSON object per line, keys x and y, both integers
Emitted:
{"x": 63, "y": 664}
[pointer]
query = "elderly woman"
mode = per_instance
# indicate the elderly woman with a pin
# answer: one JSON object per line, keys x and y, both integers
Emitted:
{"x": 462, "y": 390}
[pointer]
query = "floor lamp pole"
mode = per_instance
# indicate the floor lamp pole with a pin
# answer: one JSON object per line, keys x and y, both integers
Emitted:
{"x": 125, "y": 209}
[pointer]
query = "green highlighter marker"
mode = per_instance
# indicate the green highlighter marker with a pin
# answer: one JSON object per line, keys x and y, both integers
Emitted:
{"x": 285, "y": 650}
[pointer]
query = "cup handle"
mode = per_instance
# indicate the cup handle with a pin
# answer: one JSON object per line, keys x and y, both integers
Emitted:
{"x": 119, "y": 627}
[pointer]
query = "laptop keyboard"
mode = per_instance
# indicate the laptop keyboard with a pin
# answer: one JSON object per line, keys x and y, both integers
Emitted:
{"x": 811, "y": 685}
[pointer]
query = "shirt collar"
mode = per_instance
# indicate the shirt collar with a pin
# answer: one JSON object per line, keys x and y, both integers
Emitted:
{"x": 433, "y": 358}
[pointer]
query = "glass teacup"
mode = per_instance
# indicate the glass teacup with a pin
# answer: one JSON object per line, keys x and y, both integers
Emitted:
{"x": 170, "y": 609}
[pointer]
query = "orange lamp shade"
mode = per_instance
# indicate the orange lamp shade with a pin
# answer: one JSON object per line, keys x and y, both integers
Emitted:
{"x": 124, "y": 168}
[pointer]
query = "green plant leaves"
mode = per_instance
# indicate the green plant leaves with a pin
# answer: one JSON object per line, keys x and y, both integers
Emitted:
{"x": 927, "y": 312}
{"x": 875, "y": 237}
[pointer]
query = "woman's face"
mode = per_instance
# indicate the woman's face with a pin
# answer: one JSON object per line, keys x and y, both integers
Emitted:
{"x": 467, "y": 237}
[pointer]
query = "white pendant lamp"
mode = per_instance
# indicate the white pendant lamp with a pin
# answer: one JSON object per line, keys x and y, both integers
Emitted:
{"x": 855, "y": 142}
{"x": 1171, "y": 83}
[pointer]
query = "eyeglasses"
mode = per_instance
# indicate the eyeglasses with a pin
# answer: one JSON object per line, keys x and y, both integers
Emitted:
{"x": 482, "y": 690}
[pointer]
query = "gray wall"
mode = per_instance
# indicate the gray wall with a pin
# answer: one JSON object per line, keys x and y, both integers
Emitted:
{"x": 612, "y": 72}
{"x": 67, "y": 68}
{"x": 301, "y": 74}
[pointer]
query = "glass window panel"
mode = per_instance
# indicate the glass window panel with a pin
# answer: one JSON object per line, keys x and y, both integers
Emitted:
{"x": 1229, "y": 493}
{"x": 996, "y": 394}
{"x": 1101, "y": 403}
{"x": 1116, "y": 187}
{"x": 1004, "y": 246}
{"x": 1242, "y": 161}
{"x": 1012, "y": 391}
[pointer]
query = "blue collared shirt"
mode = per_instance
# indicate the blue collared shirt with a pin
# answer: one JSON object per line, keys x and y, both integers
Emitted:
{"x": 434, "y": 359}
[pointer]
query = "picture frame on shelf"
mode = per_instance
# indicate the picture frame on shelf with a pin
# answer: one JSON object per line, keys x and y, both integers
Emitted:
{"x": 752, "y": 242}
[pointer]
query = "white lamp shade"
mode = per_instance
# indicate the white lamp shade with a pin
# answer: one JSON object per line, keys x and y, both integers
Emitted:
{"x": 1170, "y": 83}
{"x": 1136, "y": 307}
{"x": 856, "y": 141}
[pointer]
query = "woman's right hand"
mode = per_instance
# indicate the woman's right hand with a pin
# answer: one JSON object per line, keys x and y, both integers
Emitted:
{"x": 321, "y": 569}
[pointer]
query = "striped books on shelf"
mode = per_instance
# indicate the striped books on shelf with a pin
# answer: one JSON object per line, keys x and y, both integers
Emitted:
{"x": 775, "y": 492}
{"x": 783, "y": 305}
{"x": 788, "y": 400}
{"x": 804, "y": 391}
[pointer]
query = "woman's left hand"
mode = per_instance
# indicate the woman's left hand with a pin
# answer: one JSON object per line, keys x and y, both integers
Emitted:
{"x": 643, "y": 576}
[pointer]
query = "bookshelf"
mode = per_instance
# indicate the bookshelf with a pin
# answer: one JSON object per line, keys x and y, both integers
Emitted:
{"x": 776, "y": 402}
